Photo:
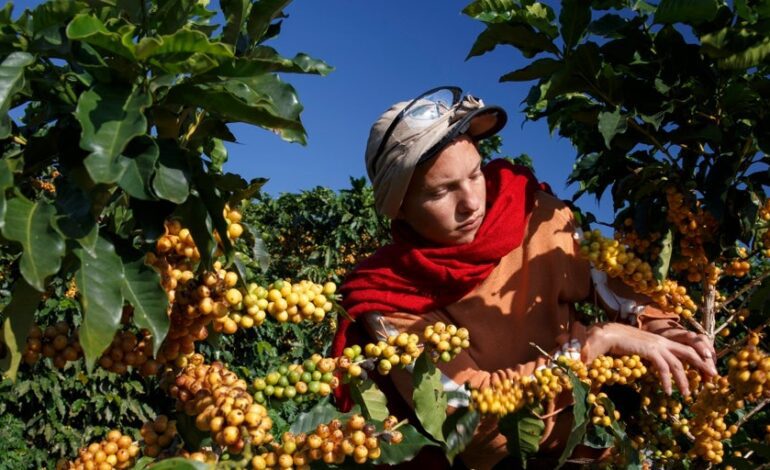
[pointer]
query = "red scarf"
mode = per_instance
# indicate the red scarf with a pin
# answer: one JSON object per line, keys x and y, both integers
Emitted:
{"x": 413, "y": 275}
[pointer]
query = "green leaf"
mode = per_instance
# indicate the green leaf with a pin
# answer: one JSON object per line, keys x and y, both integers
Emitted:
{"x": 19, "y": 317}
{"x": 598, "y": 437}
{"x": 523, "y": 37}
{"x": 49, "y": 16}
{"x": 373, "y": 403}
{"x": 248, "y": 192}
{"x": 141, "y": 287}
{"x": 262, "y": 14}
{"x": 686, "y": 11}
{"x": 266, "y": 59}
{"x": 110, "y": 117}
{"x": 459, "y": 429}
{"x": 536, "y": 14}
{"x": 430, "y": 401}
{"x": 262, "y": 100}
{"x": 12, "y": 80}
{"x": 141, "y": 156}
{"x": 92, "y": 30}
{"x": 630, "y": 455}
{"x": 664, "y": 257}
{"x": 523, "y": 432}
{"x": 610, "y": 124}
{"x": 323, "y": 412}
{"x": 184, "y": 51}
{"x": 6, "y": 181}
{"x": 541, "y": 68}
{"x": 574, "y": 18}
{"x": 194, "y": 216}
{"x": 750, "y": 57}
{"x": 492, "y": 11}
{"x": 412, "y": 443}
{"x": 100, "y": 279}
{"x": 235, "y": 12}
{"x": 259, "y": 251}
{"x": 172, "y": 176}
{"x": 179, "y": 463}
{"x": 580, "y": 417}
{"x": 43, "y": 247}
{"x": 74, "y": 208}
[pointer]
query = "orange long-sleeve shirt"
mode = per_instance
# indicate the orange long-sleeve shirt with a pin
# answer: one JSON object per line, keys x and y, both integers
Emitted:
{"x": 528, "y": 298}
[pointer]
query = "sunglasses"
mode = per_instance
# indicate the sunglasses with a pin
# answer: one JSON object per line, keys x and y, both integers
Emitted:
{"x": 421, "y": 112}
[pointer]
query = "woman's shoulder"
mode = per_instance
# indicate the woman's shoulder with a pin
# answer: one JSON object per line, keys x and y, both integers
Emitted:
{"x": 549, "y": 208}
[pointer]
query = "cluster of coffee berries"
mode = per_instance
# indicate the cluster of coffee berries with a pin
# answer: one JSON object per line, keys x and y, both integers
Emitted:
{"x": 158, "y": 435}
{"x": 176, "y": 246}
{"x": 714, "y": 402}
{"x": 234, "y": 228}
{"x": 444, "y": 341}
{"x": 294, "y": 302}
{"x": 58, "y": 342}
{"x": 198, "y": 303}
{"x": 510, "y": 395}
{"x": 400, "y": 349}
{"x": 617, "y": 261}
{"x": 72, "y": 289}
{"x": 695, "y": 228}
{"x": 128, "y": 350}
{"x": 660, "y": 447}
{"x": 644, "y": 246}
{"x": 205, "y": 456}
{"x": 297, "y": 382}
{"x": 599, "y": 414}
{"x": 116, "y": 452}
{"x": 221, "y": 404}
{"x": 330, "y": 443}
{"x": 45, "y": 185}
{"x": 193, "y": 303}
{"x": 608, "y": 370}
{"x": 749, "y": 371}
{"x": 352, "y": 362}
{"x": 764, "y": 216}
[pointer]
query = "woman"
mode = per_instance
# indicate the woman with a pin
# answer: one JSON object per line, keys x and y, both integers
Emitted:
{"x": 489, "y": 250}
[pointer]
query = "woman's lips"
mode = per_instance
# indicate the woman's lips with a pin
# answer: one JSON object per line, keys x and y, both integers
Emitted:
{"x": 470, "y": 225}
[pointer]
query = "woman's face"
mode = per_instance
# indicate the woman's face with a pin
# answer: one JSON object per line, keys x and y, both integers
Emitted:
{"x": 446, "y": 199}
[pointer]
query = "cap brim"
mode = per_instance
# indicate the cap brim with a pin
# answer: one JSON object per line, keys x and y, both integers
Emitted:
{"x": 479, "y": 124}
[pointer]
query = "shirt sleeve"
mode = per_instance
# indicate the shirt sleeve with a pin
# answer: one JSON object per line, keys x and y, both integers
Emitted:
{"x": 624, "y": 305}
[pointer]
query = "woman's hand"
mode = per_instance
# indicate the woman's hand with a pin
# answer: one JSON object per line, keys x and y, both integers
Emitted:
{"x": 701, "y": 343}
{"x": 668, "y": 356}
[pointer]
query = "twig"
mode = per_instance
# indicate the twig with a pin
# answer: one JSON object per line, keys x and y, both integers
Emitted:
{"x": 652, "y": 139}
{"x": 542, "y": 351}
{"x": 732, "y": 316}
{"x": 746, "y": 288}
{"x": 696, "y": 325}
{"x": 738, "y": 343}
{"x": 709, "y": 313}
{"x": 751, "y": 413}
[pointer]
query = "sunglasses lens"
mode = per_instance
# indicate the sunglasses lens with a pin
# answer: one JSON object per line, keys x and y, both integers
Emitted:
{"x": 426, "y": 109}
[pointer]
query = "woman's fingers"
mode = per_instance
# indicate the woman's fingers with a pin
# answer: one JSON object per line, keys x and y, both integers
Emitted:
{"x": 663, "y": 370}
{"x": 677, "y": 371}
{"x": 700, "y": 343}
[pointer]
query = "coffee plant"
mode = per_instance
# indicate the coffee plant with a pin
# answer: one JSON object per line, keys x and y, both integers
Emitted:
{"x": 664, "y": 104}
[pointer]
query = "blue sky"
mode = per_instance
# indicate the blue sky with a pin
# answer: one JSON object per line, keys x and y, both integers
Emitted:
{"x": 385, "y": 51}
